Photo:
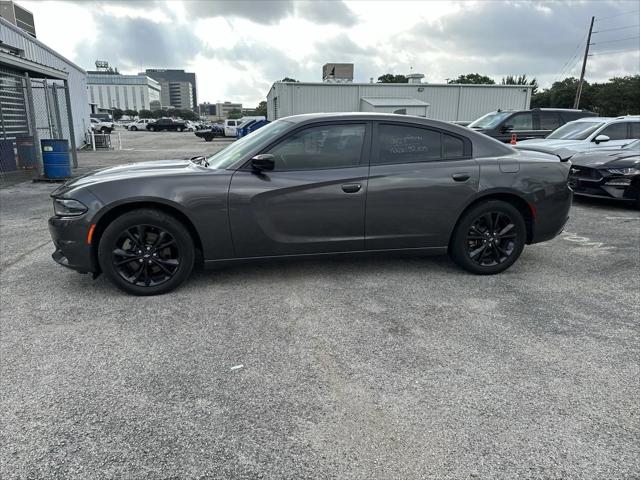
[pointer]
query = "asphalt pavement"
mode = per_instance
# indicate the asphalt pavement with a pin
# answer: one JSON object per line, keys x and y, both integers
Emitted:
{"x": 389, "y": 367}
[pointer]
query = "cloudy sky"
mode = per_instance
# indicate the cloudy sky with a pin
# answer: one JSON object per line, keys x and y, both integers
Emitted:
{"x": 239, "y": 48}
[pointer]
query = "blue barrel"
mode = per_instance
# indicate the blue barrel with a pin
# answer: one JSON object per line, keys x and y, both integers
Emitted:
{"x": 55, "y": 158}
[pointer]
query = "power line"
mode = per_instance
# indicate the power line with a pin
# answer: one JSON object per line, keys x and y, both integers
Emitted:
{"x": 616, "y": 15}
{"x": 616, "y": 40}
{"x": 617, "y": 28}
{"x": 571, "y": 59}
{"x": 607, "y": 52}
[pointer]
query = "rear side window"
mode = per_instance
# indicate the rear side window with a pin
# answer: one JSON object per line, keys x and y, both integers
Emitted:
{"x": 323, "y": 146}
{"x": 635, "y": 129}
{"x": 549, "y": 121}
{"x": 616, "y": 131}
{"x": 404, "y": 144}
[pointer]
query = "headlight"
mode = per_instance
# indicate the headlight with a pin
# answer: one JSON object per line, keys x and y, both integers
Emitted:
{"x": 624, "y": 171}
{"x": 67, "y": 207}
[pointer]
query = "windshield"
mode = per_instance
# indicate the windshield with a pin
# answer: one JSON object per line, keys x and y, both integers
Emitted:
{"x": 575, "y": 130}
{"x": 489, "y": 120}
{"x": 243, "y": 146}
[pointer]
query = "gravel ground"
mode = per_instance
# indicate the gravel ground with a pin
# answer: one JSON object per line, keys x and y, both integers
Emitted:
{"x": 385, "y": 368}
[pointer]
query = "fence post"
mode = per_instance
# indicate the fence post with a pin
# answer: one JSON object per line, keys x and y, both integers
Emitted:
{"x": 119, "y": 142}
{"x": 72, "y": 133}
{"x": 93, "y": 141}
{"x": 32, "y": 124}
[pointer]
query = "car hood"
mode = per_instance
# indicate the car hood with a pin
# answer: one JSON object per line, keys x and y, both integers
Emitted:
{"x": 129, "y": 171}
{"x": 575, "y": 145}
{"x": 609, "y": 158}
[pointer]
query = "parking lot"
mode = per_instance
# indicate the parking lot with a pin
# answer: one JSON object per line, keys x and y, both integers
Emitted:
{"x": 387, "y": 367}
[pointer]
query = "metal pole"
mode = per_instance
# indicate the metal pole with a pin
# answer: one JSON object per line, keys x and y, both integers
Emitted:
{"x": 47, "y": 102}
{"x": 72, "y": 133}
{"x": 119, "y": 142}
{"x": 93, "y": 141}
{"x": 576, "y": 103}
{"x": 33, "y": 125}
{"x": 56, "y": 110}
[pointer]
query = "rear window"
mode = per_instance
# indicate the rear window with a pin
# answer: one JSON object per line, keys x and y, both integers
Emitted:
{"x": 405, "y": 144}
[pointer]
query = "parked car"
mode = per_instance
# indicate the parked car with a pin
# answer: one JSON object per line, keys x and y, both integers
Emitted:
{"x": 101, "y": 126}
{"x": 211, "y": 133}
{"x": 140, "y": 124}
{"x": 231, "y": 126}
{"x": 106, "y": 117}
{"x": 313, "y": 184}
{"x": 525, "y": 124}
{"x": 609, "y": 172}
{"x": 165, "y": 124}
{"x": 591, "y": 133}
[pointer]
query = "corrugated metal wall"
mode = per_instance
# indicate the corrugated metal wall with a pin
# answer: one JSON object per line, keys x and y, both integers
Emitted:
{"x": 36, "y": 51}
{"x": 447, "y": 102}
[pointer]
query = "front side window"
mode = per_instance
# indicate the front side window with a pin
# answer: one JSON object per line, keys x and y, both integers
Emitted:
{"x": 616, "y": 131}
{"x": 521, "y": 121}
{"x": 635, "y": 129}
{"x": 325, "y": 146}
{"x": 405, "y": 144}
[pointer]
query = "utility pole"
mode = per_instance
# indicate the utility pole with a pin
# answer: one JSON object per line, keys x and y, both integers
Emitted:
{"x": 584, "y": 65}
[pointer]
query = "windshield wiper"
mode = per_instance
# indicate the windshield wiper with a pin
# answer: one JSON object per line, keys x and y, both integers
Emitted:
{"x": 200, "y": 160}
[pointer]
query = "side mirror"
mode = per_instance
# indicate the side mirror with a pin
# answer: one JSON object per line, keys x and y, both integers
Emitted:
{"x": 601, "y": 138}
{"x": 506, "y": 128}
{"x": 264, "y": 161}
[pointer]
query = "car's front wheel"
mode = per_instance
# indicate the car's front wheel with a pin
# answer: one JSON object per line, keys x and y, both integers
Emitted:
{"x": 146, "y": 252}
{"x": 133, "y": 129}
{"x": 489, "y": 238}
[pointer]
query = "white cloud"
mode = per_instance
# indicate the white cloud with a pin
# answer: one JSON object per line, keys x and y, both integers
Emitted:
{"x": 239, "y": 48}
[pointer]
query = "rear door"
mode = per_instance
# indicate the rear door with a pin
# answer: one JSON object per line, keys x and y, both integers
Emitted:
{"x": 420, "y": 180}
{"x": 547, "y": 122}
{"x": 313, "y": 201}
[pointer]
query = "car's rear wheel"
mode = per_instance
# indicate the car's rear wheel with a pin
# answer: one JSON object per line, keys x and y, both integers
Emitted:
{"x": 133, "y": 128}
{"x": 489, "y": 238}
{"x": 146, "y": 252}
{"x": 179, "y": 129}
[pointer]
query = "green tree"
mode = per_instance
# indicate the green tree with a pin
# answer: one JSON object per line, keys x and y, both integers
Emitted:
{"x": 145, "y": 114}
{"x": 187, "y": 114}
{"x": 288, "y": 79}
{"x": 235, "y": 113}
{"x": 562, "y": 95}
{"x": 261, "y": 109}
{"x": 130, "y": 113}
{"x": 391, "y": 78}
{"x": 117, "y": 114}
{"x": 618, "y": 96}
{"x": 473, "y": 78}
{"x": 520, "y": 80}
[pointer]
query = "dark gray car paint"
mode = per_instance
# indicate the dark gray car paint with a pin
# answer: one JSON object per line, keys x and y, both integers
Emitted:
{"x": 237, "y": 213}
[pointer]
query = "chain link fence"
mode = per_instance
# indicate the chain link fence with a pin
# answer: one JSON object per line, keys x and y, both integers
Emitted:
{"x": 31, "y": 109}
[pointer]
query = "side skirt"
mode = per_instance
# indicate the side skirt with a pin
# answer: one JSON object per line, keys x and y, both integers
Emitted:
{"x": 357, "y": 254}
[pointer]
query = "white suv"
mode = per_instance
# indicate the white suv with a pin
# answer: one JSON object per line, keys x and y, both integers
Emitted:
{"x": 590, "y": 133}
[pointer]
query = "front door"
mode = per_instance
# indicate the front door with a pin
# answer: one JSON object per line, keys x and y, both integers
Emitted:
{"x": 420, "y": 180}
{"x": 313, "y": 201}
{"x": 522, "y": 125}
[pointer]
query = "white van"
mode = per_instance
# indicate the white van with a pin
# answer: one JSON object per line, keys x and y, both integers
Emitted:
{"x": 140, "y": 124}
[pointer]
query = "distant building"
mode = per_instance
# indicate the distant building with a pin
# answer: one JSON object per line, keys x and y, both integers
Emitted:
{"x": 337, "y": 72}
{"x": 176, "y": 95}
{"x": 448, "y": 102}
{"x": 108, "y": 89}
{"x": 175, "y": 90}
{"x": 207, "y": 109}
{"x": 223, "y": 109}
{"x": 17, "y": 15}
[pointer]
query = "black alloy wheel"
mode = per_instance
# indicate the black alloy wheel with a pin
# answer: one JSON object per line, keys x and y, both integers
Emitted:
{"x": 491, "y": 239}
{"x": 488, "y": 238}
{"x": 146, "y": 255}
{"x": 146, "y": 252}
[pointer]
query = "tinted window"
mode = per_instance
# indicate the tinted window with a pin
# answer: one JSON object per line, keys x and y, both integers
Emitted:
{"x": 635, "y": 129}
{"x": 521, "y": 121}
{"x": 404, "y": 144}
{"x": 616, "y": 131}
{"x": 325, "y": 146}
{"x": 549, "y": 121}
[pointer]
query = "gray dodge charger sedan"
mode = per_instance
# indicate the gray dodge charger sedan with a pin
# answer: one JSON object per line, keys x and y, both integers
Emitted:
{"x": 313, "y": 185}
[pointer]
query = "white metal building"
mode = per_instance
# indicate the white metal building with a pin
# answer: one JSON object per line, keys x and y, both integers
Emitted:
{"x": 110, "y": 90}
{"x": 23, "y": 58}
{"x": 449, "y": 102}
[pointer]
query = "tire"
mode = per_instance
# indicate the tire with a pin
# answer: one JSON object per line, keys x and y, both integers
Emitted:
{"x": 477, "y": 249}
{"x": 208, "y": 139}
{"x": 153, "y": 129}
{"x": 150, "y": 236}
{"x": 179, "y": 129}
{"x": 133, "y": 129}
{"x": 105, "y": 130}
